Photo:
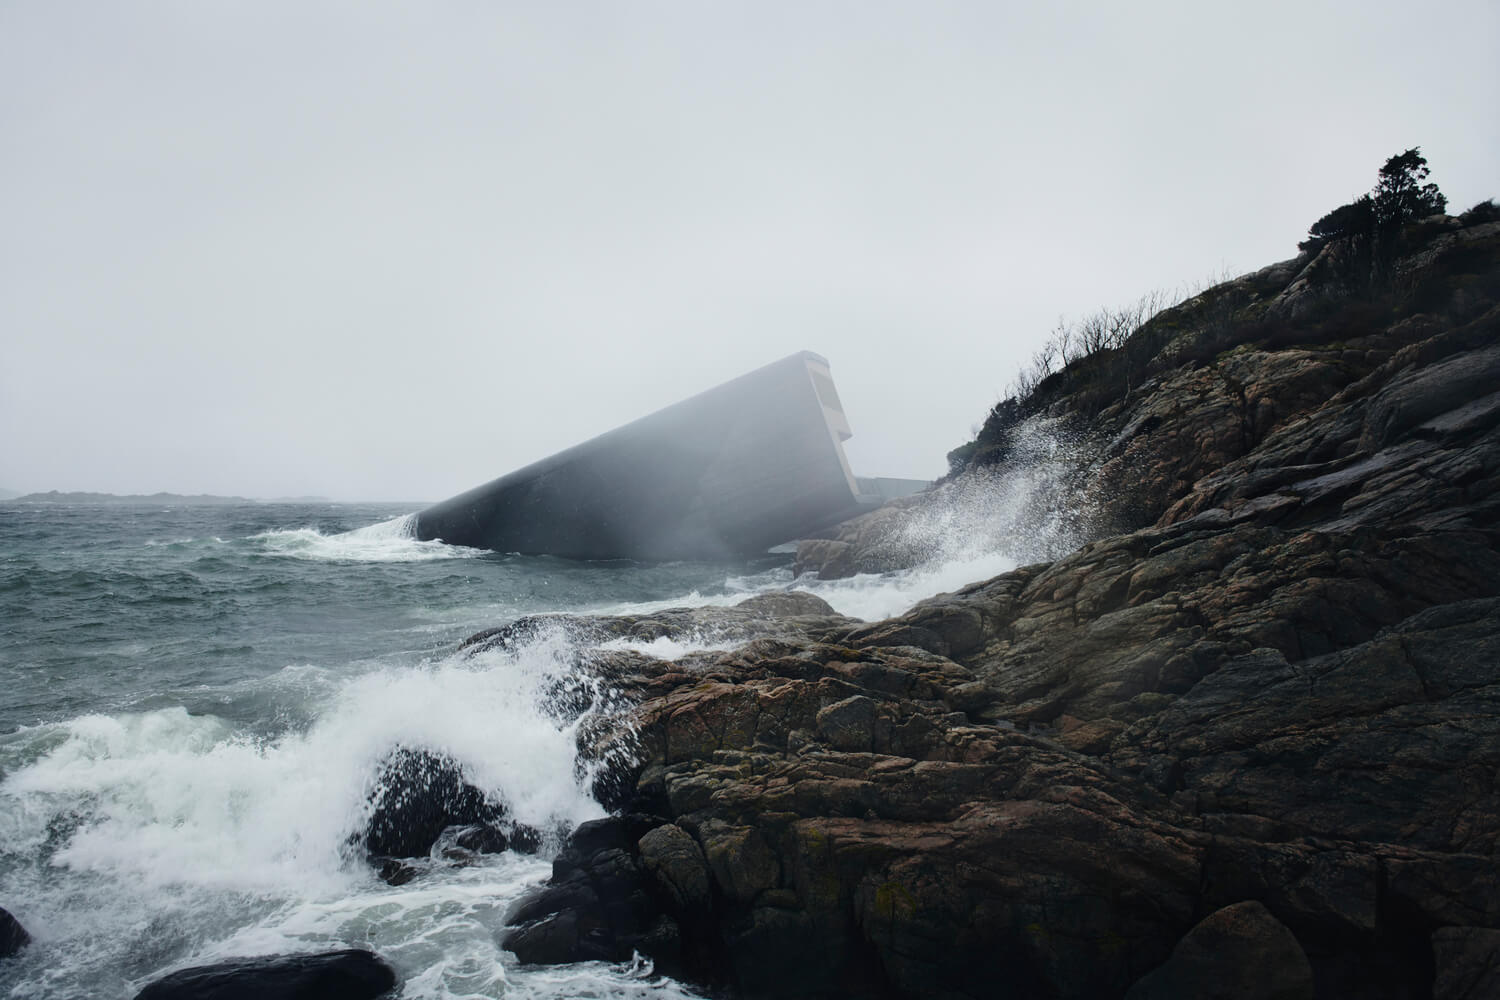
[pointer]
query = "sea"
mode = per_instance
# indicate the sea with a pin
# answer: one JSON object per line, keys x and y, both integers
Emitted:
{"x": 195, "y": 702}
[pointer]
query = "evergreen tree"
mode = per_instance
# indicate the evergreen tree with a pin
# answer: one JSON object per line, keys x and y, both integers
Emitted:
{"x": 1400, "y": 194}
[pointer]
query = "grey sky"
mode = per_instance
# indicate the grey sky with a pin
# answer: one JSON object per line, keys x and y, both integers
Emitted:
{"x": 390, "y": 251}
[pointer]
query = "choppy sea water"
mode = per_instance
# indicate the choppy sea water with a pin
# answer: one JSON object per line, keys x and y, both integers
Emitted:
{"x": 194, "y": 702}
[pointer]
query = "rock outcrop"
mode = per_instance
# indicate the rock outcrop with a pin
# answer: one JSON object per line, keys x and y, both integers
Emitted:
{"x": 13, "y": 936}
{"x": 1257, "y": 727}
{"x": 420, "y": 794}
{"x": 333, "y": 975}
{"x": 1238, "y": 953}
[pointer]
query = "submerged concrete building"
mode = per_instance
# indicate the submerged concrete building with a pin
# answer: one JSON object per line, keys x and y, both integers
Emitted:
{"x": 735, "y": 470}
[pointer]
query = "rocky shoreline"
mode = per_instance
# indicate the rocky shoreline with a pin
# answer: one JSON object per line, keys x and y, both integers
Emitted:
{"x": 1235, "y": 732}
{"x": 1246, "y": 742}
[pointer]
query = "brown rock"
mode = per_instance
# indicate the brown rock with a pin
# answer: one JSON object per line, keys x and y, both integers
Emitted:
{"x": 1271, "y": 695}
{"x": 672, "y": 856}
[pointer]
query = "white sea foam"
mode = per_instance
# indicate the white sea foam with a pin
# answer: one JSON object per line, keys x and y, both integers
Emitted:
{"x": 165, "y": 826}
{"x": 876, "y": 596}
{"x": 692, "y": 599}
{"x": 135, "y": 843}
{"x": 670, "y": 647}
{"x": 388, "y": 541}
{"x": 982, "y": 524}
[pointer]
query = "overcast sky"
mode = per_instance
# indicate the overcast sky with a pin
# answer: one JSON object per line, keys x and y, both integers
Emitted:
{"x": 372, "y": 250}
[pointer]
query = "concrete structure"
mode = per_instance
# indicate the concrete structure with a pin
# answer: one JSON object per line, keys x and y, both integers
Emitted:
{"x": 735, "y": 470}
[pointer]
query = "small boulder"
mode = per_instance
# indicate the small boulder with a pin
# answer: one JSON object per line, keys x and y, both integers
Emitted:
{"x": 333, "y": 975}
{"x": 13, "y": 936}
{"x": 618, "y": 887}
{"x": 672, "y": 856}
{"x": 829, "y": 558}
{"x": 849, "y": 724}
{"x": 1238, "y": 953}
{"x": 393, "y": 871}
{"x": 786, "y": 604}
{"x": 420, "y": 794}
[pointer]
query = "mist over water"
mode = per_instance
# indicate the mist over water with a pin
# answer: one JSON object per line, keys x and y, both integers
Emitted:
{"x": 198, "y": 701}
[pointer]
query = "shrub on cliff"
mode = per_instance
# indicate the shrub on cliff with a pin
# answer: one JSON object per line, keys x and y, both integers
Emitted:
{"x": 1354, "y": 219}
{"x": 1372, "y": 223}
{"x": 1099, "y": 360}
{"x": 1485, "y": 211}
{"x": 1400, "y": 194}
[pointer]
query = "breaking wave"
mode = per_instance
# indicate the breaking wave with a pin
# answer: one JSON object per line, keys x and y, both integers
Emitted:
{"x": 389, "y": 541}
{"x": 163, "y": 832}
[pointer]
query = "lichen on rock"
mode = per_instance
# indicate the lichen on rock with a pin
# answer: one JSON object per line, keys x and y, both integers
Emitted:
{"x": 1256, "y": 702}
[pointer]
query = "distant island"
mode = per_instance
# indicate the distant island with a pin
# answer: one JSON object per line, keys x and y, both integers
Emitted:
{"x": 138, "y": 499}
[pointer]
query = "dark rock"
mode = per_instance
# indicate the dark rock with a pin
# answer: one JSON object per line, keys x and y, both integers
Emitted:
{"x": 1468, "y": 963}
{"x": 1429, "y": 392}
{"x": 600, "y": 903}
{"x": 13, "y": 936}
{"x": 1273, "y": 675}
{"x": 672, "y": 856}
{"x": 334, "y": 975}
{"x": 394, "y": 871}
{"x": 622, "y": 885}
{"x": 848, "y": 724}
{"x": 1238, "y": 953}
{"x": 419, "y": 794}
{"x": 829, "y": 558}
{"x": 552, "y": 939}
{"x": 786, "y": 604}
{"x": 743, "y": 864}
{"x": 612, "y": 833}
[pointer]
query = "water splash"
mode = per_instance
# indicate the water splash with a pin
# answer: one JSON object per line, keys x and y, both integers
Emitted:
{"x": 671, "y": 647}
{"x": 167, "y": 839}
{"x": 1036, "y": 506}
{"x": 876, "y": 596}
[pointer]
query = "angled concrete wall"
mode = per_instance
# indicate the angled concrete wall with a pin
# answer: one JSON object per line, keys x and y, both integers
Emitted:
{"x": 749, "y": 464}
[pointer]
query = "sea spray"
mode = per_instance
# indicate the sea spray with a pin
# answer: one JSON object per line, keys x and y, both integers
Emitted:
{"x": 163, "y": 835}
{"x": 193, "y": 729}
{"x": 1034, "y": 506}
{"x": 1037, "y": 505}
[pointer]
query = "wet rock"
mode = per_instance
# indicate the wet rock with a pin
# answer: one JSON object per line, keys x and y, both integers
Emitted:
{"x": 623, "y": 884}
{"x": 1429, "y": 392}
{"x": 789, "y": 613}
{"x": 871, "y": 543}
{"x": 393, "y": 871}
{"x": 1468, "y": 963}
{"x": 1238, "y": 953}
{"x": 848, "y": 724}
{"x": 599, "y": 904}
{"x": 13, "y": 936}
{"x": 744, "y": 865}
{"x": 334, "y": 975}
{"x": 519, "y": 633}
{"x": 421, "y": 793}
{"x": 672, "y": 856}
{"x": 829, "y": 558}
{"x": 1275, "y": 680}
{"x": 786, "y": 604}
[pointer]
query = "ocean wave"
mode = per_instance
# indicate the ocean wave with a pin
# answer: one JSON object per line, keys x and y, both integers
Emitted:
{"x": 388, "y": 541}
{"x": 167, "y": 828}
